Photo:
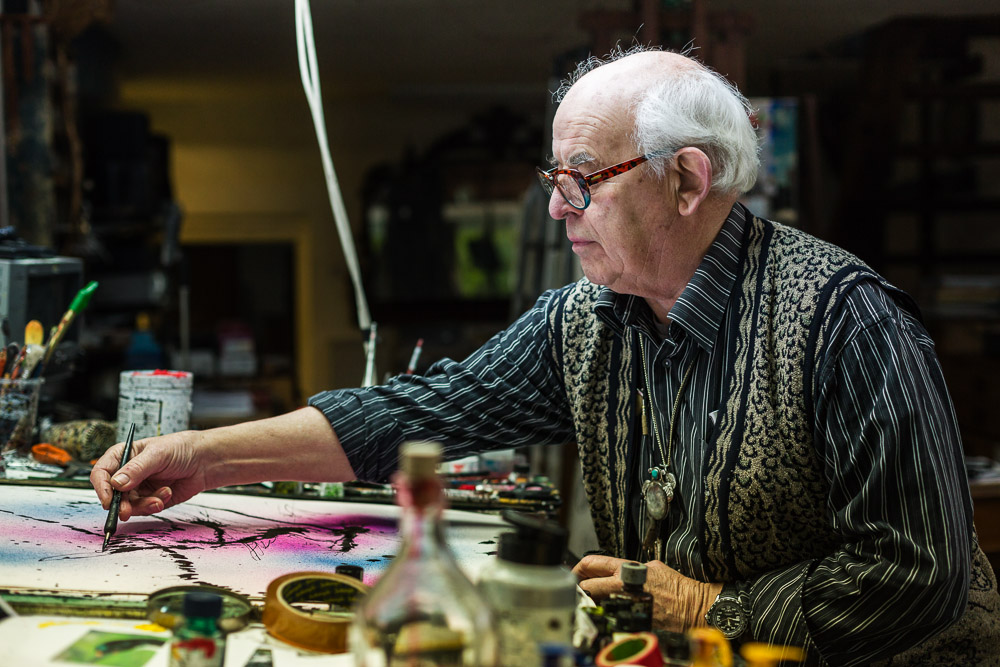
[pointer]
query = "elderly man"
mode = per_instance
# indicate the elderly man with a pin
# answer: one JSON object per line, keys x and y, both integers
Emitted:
{"x": 760, "y": 416}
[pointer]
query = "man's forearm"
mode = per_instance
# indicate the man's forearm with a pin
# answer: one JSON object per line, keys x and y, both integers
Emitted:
{"x": 299, "y": 446}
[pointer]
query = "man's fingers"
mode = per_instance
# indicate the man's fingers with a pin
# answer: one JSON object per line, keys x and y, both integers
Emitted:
{"x": 146, "y": 506}
{"x": 132, "y": 474}
{"x": 125, "y": 508}
{"x": 601, "y": 587}
{"x": 151, "y": 504}
{"x": 99, "y": 479}
{"x": 100, "y": 475}
{"x": 596, "y": 565}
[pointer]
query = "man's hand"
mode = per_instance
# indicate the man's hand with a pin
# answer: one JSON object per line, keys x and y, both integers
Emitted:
{"x": 161, "y": 473}
{"x": 168, "y": 470}
{"x": 679, "y": 603}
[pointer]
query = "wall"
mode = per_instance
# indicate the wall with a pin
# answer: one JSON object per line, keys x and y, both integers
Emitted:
{"x": 245, "y": 164}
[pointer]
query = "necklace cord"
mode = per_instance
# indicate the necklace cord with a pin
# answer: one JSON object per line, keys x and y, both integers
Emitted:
{"x": 665, "y": 456}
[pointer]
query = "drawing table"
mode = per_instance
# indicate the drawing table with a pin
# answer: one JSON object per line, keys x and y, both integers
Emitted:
{"x": 50, "y": 551}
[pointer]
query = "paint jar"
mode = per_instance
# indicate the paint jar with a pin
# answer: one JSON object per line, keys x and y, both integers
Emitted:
{"x": 159, "y": 402}
{"x": 199, "y": 641}
{"x": 533, "y": 593}
{"x": 18, "y": 412}
{"x": 638, "y": 607}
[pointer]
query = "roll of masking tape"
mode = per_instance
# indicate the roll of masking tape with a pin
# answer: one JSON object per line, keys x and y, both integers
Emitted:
{"x": 641, "y": 648}
{"x": 312, "y": 610}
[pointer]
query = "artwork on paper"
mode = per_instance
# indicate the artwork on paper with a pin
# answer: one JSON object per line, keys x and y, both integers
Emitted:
{"x": 98, "y": 647}
{"x": 50, "y": 539}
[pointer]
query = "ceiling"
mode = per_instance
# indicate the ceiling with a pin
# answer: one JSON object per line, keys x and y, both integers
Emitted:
{"x": 447, "y": 45}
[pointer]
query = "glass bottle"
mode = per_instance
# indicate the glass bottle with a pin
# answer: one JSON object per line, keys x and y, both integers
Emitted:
{"x": 640, "y": 601}
{"x": 198, "y": 641}
{"x": 423, "y": 610}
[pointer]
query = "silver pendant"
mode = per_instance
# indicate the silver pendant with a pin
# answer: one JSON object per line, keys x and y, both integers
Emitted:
{"x": 658, "y": 492}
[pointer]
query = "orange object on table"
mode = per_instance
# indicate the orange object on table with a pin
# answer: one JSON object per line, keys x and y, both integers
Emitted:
{"x": 47, "y": 453}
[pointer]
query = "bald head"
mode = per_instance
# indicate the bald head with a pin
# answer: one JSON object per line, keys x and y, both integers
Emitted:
{"x": 623, "y": 80}
{"x": 665, "y": 101}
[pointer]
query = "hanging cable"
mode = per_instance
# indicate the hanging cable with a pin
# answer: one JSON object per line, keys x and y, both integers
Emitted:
{"x": 310, "y": 82}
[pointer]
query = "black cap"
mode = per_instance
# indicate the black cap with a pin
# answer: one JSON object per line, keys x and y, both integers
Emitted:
{"x": 199, "y": 604}
{"x": 355, "y": 571}
{"x": 536, "y": 541}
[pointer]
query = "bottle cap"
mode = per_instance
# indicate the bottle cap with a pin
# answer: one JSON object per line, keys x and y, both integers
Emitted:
{"x": 633, "y": 573}
{"x": 536, "y": 541}
{"x": 202, "y": 605}
{"x": 419, "y": 459}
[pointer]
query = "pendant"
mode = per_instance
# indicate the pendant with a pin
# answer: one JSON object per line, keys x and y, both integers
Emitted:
{"x": 658, "y": 491}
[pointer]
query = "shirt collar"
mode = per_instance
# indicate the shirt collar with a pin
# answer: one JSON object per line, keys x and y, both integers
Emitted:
{"x": 701, "y": 306}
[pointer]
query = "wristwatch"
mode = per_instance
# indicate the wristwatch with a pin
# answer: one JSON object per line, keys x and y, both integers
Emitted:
{"x": 729, "y": 612}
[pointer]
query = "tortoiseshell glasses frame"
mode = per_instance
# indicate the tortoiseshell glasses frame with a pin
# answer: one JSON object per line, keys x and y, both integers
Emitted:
{"x": 575, "y": 187}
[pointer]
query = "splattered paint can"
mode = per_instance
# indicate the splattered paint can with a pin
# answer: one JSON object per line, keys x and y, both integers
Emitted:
{"x": 159, "y": 402}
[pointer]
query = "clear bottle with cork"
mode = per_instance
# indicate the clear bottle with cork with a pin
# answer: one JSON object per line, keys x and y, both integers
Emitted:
{"x": 639, "y": 600}
{"x": 423, "y": 610}
{"x": 199, "y": 641}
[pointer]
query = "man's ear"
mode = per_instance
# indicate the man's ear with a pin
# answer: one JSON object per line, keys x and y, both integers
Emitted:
{"x": 693, "y": 170}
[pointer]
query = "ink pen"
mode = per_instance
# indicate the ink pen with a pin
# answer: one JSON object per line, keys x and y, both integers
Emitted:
{"x": 116, "y": 497}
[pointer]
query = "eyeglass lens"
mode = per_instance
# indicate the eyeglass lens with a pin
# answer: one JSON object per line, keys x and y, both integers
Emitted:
{"x": 569, "y": 187}
{"x": 571, "y": 190}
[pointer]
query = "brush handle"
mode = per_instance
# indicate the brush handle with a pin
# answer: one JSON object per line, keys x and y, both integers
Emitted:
{"x": 111, "y": 525}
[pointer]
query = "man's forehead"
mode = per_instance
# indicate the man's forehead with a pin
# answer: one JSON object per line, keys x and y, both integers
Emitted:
{"x": 581, "y": 136}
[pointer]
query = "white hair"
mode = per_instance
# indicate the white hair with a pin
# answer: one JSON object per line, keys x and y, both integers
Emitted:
{"x": 692, "y": 106}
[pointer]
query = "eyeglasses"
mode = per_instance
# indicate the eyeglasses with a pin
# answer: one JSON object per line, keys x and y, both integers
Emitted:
{"x": 575, "y": 187}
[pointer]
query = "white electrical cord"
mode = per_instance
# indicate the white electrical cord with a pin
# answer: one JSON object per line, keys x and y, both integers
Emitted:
{"x": 310, "y": 82}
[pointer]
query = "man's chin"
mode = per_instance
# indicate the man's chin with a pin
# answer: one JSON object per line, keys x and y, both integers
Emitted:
{"x": 594, "y": 276}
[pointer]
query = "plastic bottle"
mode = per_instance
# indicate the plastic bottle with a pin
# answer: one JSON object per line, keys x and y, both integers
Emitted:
{"x": 640, "y": 601}
{"x": 143, "y": 352}
{"x": 423, "y": 610}
{"x": 198, "y": 641}
{"x": 533, "y": 594}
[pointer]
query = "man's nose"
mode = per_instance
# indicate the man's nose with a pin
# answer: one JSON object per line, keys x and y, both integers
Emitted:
{"x": 558, "y": 206}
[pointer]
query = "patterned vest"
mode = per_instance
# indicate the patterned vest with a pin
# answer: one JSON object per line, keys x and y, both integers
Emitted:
{"x": 763, "y": 477}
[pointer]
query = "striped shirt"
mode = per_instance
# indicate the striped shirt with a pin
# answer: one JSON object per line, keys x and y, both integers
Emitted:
{"x": 884, "y": 430}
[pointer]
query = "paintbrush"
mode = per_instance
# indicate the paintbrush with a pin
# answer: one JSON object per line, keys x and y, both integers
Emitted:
{"x": 34, "y": 333}
{"x": 15, "y": 367}
{"x": 111, "y": 525}
{"x": 79, "y": 303}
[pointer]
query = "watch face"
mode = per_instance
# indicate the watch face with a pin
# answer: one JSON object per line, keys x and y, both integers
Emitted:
{"x": 728, "y": 616}
{"x": 656, "y": 500}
